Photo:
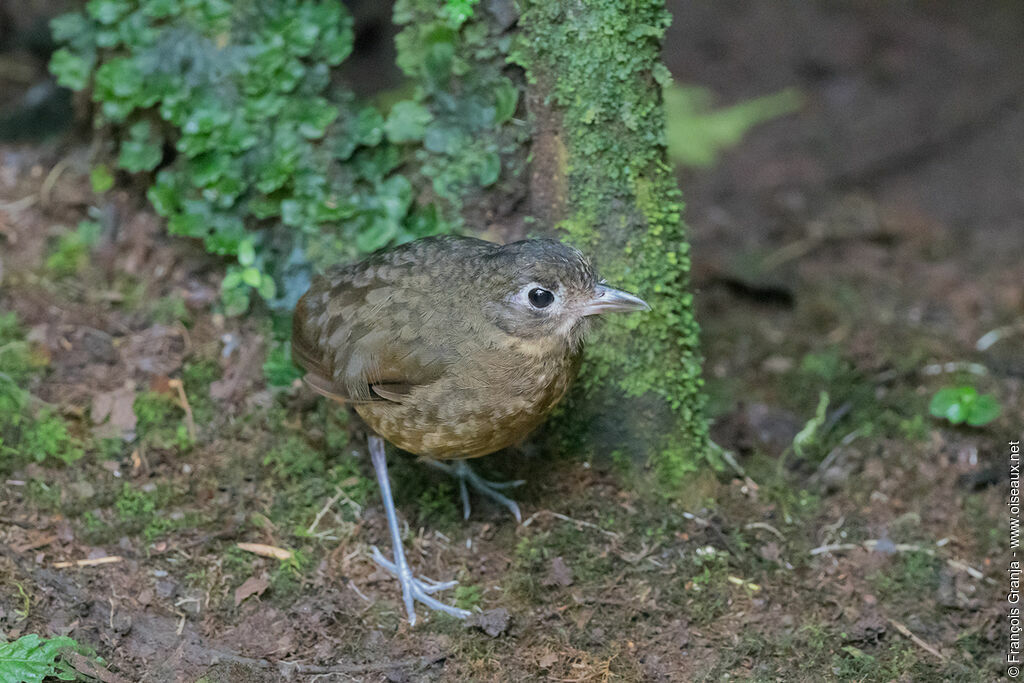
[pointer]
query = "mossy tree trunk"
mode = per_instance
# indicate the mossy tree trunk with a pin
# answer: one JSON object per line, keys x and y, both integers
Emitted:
{"x": 600, "y": 177}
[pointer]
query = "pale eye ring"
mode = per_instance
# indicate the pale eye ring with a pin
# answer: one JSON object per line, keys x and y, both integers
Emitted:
{"x": 540, "y": 298}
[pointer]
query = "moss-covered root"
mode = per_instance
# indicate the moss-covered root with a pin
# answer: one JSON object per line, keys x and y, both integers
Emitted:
{"x": 595, "y": 78}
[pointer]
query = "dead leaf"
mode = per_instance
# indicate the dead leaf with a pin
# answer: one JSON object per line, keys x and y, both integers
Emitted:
{"x": 254, "y": 585}
{"x": 493, "y": 622}
{"x": 161, "y": 384}
{"x": 770, "y": 551}
{"x": 114, "y": 413}
{"x": 241, "y": 374}
{"x": 559, "y": 574}
{"x": 266, "y": 550}
{"x": 548, "y": 660}
{"x": 158, "y": 350}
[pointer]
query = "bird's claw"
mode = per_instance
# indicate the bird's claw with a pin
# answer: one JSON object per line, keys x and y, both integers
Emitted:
{"x": 489, "y": 489}
{"x": 418, "y": 588}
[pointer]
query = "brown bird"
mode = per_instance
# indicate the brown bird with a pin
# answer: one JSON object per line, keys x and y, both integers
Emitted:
{"x": 450, "y": 348}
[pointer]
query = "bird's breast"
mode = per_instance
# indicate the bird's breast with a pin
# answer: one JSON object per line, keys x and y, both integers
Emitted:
{"x": 485, "y": 402}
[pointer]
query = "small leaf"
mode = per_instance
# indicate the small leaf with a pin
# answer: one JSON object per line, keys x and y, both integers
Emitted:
{"x": 235, "y": 300}
{"x": 279, "y": 370}
{"x": 164, "y": 194}
{"x": 963, "y": 404}
{"x": 406, "y": 122}
{"x": 267, "y": 288}
{"x": 315, "y": 118}
{"x": 101, "y": 179}
{"x": 160, "y": 8}
{"x": 368, "y": 127}
{"x": 142, "y": 151}
{"x": 490, "y": 169}
{"x": 506, "y": 98}
{"x": 809, "y": 433}
{"x": 107, "y": 11}
{"x": 983, "y": 410}
{"x": 246, "y": 253}
{"x": 30, "y": 659}
{"x": 943, "y": 401}
{"x": 252, "y": 276}
{"x": 207, "y": 168}
{"x": 697, "y": 133}
{"x": 138, "y": 156}
{"x": 336, "y": 46}
{"x": 68, "y": 26}
{"x": 72, "y": 70}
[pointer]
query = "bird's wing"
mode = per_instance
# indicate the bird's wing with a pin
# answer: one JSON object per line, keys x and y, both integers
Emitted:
{"x": 359, "y": 338}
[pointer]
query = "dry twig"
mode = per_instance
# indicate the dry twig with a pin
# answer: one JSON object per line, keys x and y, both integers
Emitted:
{"x": 109, "y": 559}
{"x": 190, "y": 422}
{"x": 84, "y": 665}
{"x": 916, "y": 640}
{"x": 566, "y": 518}
{"x": 266, "y": 550}
{"x": 871, "y": 544}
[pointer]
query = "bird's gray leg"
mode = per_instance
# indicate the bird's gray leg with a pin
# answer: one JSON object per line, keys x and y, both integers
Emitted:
{"x": 489, "y": 489}
{"x": 412, "y": 588}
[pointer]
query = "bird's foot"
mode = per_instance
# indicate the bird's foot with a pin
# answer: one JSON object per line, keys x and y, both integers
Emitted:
{"x": 489, "y": 489}
{"x": 417, "y": 588}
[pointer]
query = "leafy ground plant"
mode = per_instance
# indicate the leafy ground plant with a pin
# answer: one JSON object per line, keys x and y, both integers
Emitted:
{"x": 30, "y": 659}
{"x": 964, "y": 405}
{"x": 232, "y": 108}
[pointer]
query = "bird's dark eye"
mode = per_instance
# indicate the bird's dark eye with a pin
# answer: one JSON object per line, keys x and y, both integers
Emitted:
{"x": 540, "y": 298}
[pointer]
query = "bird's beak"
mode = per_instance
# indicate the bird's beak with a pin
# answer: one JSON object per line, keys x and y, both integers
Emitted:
{"x": 608, "y": 300}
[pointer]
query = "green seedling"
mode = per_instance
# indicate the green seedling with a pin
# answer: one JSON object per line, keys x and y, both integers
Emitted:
{"x": 964, "y": 405}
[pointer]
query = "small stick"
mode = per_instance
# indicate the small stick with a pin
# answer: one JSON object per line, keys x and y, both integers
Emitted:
{"x": 939, "y": 368}
{"x": 354, "y": 587}
{"x": 566, "y": 518}
{"x": 749, "y": 585}
{"x": 916, "y": 640}
{"x": 871, "y": 544}
{"x": 324, "y": 510}
{"x": 83, "y": 664}
{"x": 109, "y": 559}
{"x": 47, "y": 540}
{"x": 766, "y": 527}
{"x": 51, "y": 179}
{"x": 18, "y": 205}
{"x": 266, "y": 550}
{"x": 190, "y": 422}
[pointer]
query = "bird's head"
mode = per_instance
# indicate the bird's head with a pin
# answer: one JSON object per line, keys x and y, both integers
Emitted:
{"x": 549, "y": 289}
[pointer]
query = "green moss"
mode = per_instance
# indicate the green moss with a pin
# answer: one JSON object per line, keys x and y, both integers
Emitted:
{"x": 468, "y": 597}
{"x": 293, "y": 458}
{"x": 47, "y": 437}
{"x": 599, "y": 65}
{"x": 170, "y": 309}
{"x": 94, "y": 526}
{"x": 909, "y": 574}
{"x": 287, "y": 577}
{"x": 161, "y": 422}
{"x": 196, "y": 377}
{"x": 71, "y": 252}
{"x": 437, "y": 505}
{"x": 135, "y": 505}
{"x": 145, "y": 510}
{"x": 44, "y": 495}
{"x": 29, "y": 430}
{"x": 237, "y": 562}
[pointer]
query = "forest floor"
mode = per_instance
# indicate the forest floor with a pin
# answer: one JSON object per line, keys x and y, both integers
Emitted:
{"x": 860, "y": 248}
